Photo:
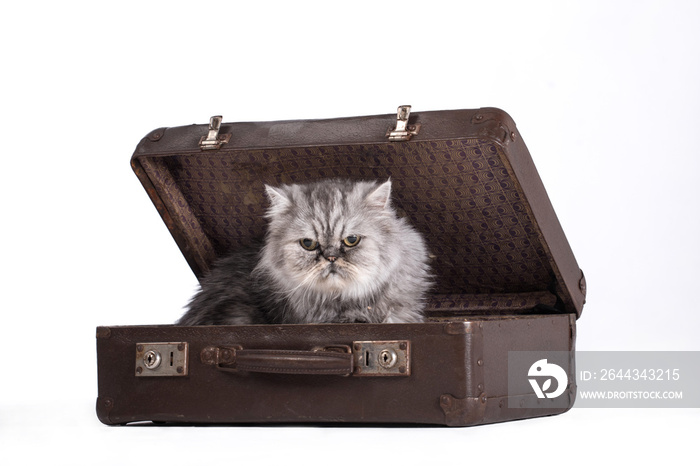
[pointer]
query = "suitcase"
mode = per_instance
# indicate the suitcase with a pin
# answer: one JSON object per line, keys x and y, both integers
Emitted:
{"x": 507, "y": 282}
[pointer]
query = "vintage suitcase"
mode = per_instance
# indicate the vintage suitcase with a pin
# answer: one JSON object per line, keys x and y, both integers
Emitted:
{"x": 507, "y": 281}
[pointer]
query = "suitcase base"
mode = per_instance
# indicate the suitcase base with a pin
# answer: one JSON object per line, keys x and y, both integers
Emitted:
{"x": 451, "y": 373}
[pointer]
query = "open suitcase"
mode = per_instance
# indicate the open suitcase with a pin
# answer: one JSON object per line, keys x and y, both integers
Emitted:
{"x": 507, "y": 280}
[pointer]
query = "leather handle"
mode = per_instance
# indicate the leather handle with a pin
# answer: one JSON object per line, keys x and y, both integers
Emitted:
{"x": 336, "y": 360}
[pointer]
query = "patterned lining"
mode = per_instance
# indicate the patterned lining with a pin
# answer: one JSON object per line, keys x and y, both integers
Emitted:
{"x": 510, "y": 302}
{"x": 458, "y": 193}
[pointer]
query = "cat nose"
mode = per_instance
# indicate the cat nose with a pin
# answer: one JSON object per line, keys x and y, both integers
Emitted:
{"x": 331, "y": 254}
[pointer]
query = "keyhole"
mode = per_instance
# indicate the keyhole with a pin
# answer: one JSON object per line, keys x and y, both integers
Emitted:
{"x": 151, "y": 359}
{"x": 387, "y": 358}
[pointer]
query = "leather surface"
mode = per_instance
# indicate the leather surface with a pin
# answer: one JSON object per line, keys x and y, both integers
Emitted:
{"x": 458, "y": 374}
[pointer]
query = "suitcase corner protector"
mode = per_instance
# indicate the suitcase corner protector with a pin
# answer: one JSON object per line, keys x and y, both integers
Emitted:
{"x": 103, "y": 332}
{"x": 103, "y": 407}
{"x": 461, "y": 412}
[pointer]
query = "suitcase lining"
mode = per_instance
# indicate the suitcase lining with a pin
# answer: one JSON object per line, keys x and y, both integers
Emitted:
{"x": 458, "y": 193}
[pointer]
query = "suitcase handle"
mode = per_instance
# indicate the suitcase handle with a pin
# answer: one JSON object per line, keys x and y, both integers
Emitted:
{"x": 332, "y": 360}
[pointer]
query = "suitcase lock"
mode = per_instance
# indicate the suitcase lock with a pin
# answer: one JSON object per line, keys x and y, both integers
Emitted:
{"x": 382, "y": 358}
{"x": 161, "y": 359}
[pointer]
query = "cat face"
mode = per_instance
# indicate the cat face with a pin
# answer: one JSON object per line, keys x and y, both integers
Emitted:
{"x": 328, "y": 237}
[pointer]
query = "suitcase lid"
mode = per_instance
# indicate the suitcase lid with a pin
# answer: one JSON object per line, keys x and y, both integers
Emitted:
{"x": 464, "y": 178}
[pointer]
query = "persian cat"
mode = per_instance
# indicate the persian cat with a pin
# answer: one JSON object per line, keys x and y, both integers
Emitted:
{"x": 334, "y": 251}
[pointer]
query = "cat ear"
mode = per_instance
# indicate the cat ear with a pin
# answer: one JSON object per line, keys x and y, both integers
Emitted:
{"x": 380, "y": 197}
{"x": 278, "y": 199}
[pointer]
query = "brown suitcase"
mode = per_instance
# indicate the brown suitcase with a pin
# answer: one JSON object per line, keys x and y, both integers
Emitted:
{"x": 507, "y": 281}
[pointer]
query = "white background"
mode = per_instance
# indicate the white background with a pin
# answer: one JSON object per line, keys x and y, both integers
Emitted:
{"x": 606, "y": 94}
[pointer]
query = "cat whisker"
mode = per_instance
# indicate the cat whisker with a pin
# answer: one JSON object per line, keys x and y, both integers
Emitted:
{"x": 287, "y": 293}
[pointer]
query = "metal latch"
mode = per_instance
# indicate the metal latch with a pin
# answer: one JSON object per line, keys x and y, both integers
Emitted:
{"x": 161, "y": 359}
{"x": 213, "y": 140}
{"x": 382, "y": 358}
{"x": 403, "y": 131}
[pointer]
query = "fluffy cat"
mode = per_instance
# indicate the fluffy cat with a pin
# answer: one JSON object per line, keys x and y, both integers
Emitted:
{"x": 334, "y": 251}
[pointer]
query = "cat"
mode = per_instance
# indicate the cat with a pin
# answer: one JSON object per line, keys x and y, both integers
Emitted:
{"x": 335, "y": 251}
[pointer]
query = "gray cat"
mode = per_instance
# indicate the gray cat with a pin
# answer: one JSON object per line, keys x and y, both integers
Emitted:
{"x": 335, "y": 251}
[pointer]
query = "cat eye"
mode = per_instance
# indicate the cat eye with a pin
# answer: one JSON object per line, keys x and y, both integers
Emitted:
{"x": 351, "y": 240}
{"x": 308, "y": 244}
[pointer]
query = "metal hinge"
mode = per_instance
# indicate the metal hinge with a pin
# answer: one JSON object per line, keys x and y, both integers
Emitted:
{"x": 213, "y": 140}
{"x": 403, "y": 131}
